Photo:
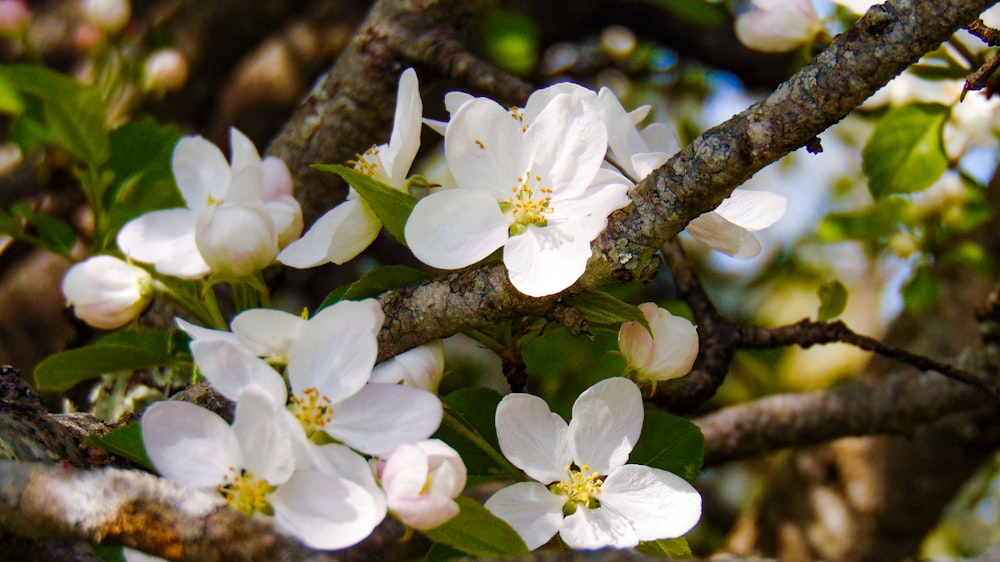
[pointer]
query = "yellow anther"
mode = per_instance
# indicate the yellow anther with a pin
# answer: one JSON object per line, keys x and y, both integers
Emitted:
{"x": 245, "y": 492}
{"x": 312, "y": 410}
{"x": 579, "y": 488}
{"x": 524, "y": 207}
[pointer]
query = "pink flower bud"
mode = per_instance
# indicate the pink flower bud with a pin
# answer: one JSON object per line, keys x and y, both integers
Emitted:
{"x": 15, "y": 16}
{"x": 108, "y": 15}
{"x": 777, "y": 26}
{"x": 106, "y": 292}
{"x": 236, "y": 240}
{"x": 420, "y": 481}
{"x": 165, "y": 70}
{"x": 668, "y": 353}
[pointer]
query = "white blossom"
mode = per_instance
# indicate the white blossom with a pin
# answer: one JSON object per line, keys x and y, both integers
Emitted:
{"x": 421, "y": 481}
{"x": 668, "y": 353}
{"x": 106, "y": 292}
{"x": 421, "y": 367}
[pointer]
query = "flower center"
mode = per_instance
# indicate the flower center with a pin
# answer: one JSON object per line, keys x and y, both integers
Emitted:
{"x": 246, "y": 492}
{"x": 312, "y": 410}
{"x": 368, "y": 163}
{"x": 212, "y": 201}
{"x": 580, "y": 488}
{"x": 528, "y": 205}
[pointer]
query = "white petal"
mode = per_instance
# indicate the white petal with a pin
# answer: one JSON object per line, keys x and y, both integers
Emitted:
{"x": 531, "y": 509}
{"x": 447, "y": 471}
{"x": 199, "y": 333}
{"x": 324, "y": 511}
{"x": 453, "y": 101}
{"x": 587, "y": 216}
{"x": 275, "y": 178}
{"x": 544, "y": 261}
{"x": 244, "y": 153}
{"x": 381, "y": 417}
{"x": 722, "y": 235}
{"x": 237, "y": 239}
{"x": 405, "y": 139}
{"x": 405, "y": 472}
{"x": 286, "y": 214}
{"x": 485, "y": 148}
{"x": 532, "y": 437}
{"x": 268, "y": 333}
{"x": 624, "y": 139}
{"x": 753, "y": 210}
{"x": 337, "y": 349}
{"x": 342, "y": 461}
{"x": 166, "y": 240}
{"x": 607, "y": 420}
{"x": 423, "y": 512}
{"x": 661, "y": 138}
{"x": 189, "y": 444}
{"x": 266, "y": 446}
{"x": 646, "y": 163}
{"x": 201, "y": 171}
{"x": 568, "y": 143}
{"x": 338, "y": 236}
{"x": 658, "y": 504}
{"x": 540, "y": 99}
{"x": 231, "y": 369}
{"x": 421, "y": 367}
{"x": 455, "y": 228}
{"x": 246, "y": 186}
{"x": 590, "y": 529}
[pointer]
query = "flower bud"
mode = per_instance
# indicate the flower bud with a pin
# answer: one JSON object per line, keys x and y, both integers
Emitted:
{"x": 668, "y": 353}
{"x": 420, "y": 481}
{"x": 108, "y": 15}
{"x": 15, "y": 16}
{"x": 165, "y": 70}
{"x": 421, "y": 367}
{"x": 106, "y": 292}
{"x": 777, "y": 26}
{"x": 236, "y": 240}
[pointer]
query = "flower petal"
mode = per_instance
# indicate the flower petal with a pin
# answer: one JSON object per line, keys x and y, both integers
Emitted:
{"x": 266, "y": 446}
{"x": 405, "y": 472}
{"x": 200, "y": 333}
{"x": 231, "y": 368}
{"x": 166, "y": 240}
{"x": 337, "y": 349}
{"x": 324, "y": 511}
{"x": 753, "y": 210}
{"x": 531, "y": 509}
{"x": 421, "y": 367}
{"x": 543, "y": 261}
{"x": 244, "y": 155}
{"x": 405, "y": 139}
{"x": 189, "y": 444}
{"x": 532, "y": 437}
{"x": 381, "y": 417}
{"x": 267, "y": 332}
{"x": 455, "y": 228}
{"x": 485, "y": 148}
{"x": 710, "y": 228}
{"x": 201, "y": 171}
{"x": 607, "y": 420}
{"x": 590, "y": 529}
{"x": 568, "y": 142}
{"x": 338, "y": 236}
{"x": 423, "y": 512}
{"x": 658, "y": 504}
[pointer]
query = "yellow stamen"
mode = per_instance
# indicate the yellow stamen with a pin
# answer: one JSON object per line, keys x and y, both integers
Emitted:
{"x": 525, "y": 207}
{"x": 580, "y": 488}
{"x": 312, "y": 410}
{"x": 246, "y": 492}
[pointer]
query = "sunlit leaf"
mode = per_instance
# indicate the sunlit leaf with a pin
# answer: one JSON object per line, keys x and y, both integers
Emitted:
{"x": 601, "y": 308}
{"x": 375, "y": 282}
{"x": 121, "y": 351}
{"x": 391, "y": 205}
{"x": 921, "y": 292}
{"x": 667, "y": 548}
{"x": 906, "y": 153}
{"x": 469, "y": 426}
{"x": 832, "y": 300}
{"x": 670, "y": 443}
{"x": 126, "y": 442}
{"x": 478, "y": 532}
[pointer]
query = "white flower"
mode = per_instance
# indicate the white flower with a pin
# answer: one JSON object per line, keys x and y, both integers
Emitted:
{"x": 347, "y": 229}
{"x": 420, "y": 481}
{"x": 728, "y": 227}
{"x": 235, "y": 219}
{"x": 106, "y": 292}
{"x": 668, "y": 353}
{"x": 421, "y": 367}
{"x": 252, "y": 465}
{"x": 529, "y": 182}
{"x": 777, "y": 26}
{"x": 584, "y": 490}
{"x": 328, "y": 362}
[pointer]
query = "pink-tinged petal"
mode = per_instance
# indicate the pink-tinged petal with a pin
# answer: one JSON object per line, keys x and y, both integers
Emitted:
{"x": 447, "y": 471}
{"x": 264, "y": 441}
{"x": 382, "y": 417}
{"x": 533, "y": 438}
{"x": 753, "y": 210}
{"x": 568, "y": 143}
{"x": 231, "y": 368}
{"x": 421, "y": 367}
{"x": 286, "y": 214}
{"x": 485, "y": 148}
{"x": 531, "y": 509}
{"x": 590, "y": 529}
{"x": 237, "y": 240}
{"x": 405, "y": 139}
{"x": 268, "y": 333}
{"x": 607, "y": 421}
{"x": 189, "y": 444}
{"x": 166, "y": 240}
{"x": 722, "y": 235}
{"x": 244, "y": 154}
{"x": 423, "y": 512}
{"x": 324, "y": 511}
{"x": 544, "y": 261}
{"x": 405, "y": 472}
{"x": 778, "y": 26}
{"x": 275, "y": 178}
{"x": 336, "y": 351}
{"x": 338, "y": 236}
{"x": 658, "y": 504}
{"x": 201, "y": 171}
{"x": 455, "y": 228}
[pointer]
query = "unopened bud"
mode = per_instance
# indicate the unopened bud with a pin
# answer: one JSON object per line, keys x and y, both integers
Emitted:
{"x": 106, "y": 292}
{"x": 668, "y": 353}
{"x": 165, "y": 70}
{"x": 109, "y": 16}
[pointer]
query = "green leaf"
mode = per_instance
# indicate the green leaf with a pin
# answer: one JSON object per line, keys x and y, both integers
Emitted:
{"x": 905, "y": 153}
{"x": 10, "y": 100}
{"x": 391, "y": 205}
{"x": 478, "y": 532}
{"x": 695, "y": 12}
{"x": 599, "y": 308}
{"x": 374, "y": 283}
{"x": 61, "y": 112}
{"x": 116, "y": 352}
{"x": 832, "y": 300}
{"x": 442, "y": 553}
{"x": 141, "y": 154}
{"x": 54, "y": 234}
{"x": 670, "y": 443}
{"x": 469, "y": 426}
{"x": 666, "y": 548}
{"x": 921, "y": 293}
{"x": 126, "y": 442}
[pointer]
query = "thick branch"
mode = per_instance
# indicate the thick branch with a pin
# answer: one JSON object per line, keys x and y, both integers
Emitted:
{"x": 883, "y": 43}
